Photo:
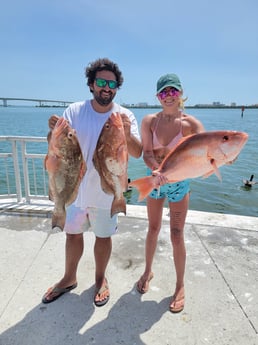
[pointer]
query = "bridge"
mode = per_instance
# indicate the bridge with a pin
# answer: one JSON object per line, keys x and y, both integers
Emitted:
{"x": 41, "y": 102}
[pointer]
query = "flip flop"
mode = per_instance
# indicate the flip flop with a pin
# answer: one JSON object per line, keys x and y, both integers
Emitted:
{"x": 99, "y": 292}
{"x": 58, "y": 292}
{"x": 145, "y": 283}
{"x": 181, "y": 301}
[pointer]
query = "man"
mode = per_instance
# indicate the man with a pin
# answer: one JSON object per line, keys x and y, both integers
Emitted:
{"x": 92, "y": 206}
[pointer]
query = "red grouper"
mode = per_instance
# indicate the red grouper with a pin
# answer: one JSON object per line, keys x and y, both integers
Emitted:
{"x": 194, "y": 156}
{"x": 66, "y": 167}
{"x": 111, "y": 160}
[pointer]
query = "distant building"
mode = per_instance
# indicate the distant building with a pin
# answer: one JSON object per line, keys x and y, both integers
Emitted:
{"x": 203, "y": 105}
{"x": 142, "y": 104}
{"x": 218, "y": 104}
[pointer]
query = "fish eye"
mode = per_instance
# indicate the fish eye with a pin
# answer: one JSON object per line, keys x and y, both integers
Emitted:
{"x": 225, "y": 138}
{"x": 107, "y": 125}
{"x": 70, "y": 135}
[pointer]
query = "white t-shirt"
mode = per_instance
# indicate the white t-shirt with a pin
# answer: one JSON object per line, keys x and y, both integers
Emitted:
{"x": 88, "y": 125}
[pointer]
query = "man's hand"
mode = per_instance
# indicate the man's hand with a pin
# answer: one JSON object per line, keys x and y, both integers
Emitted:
{"x": 133, "y": 144}
{"x": 52, "y": 121}
{"x": 127, "y": 124}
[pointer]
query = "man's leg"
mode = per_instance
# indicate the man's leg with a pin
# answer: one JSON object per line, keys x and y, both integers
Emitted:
{"x": 73, "y": 253}
{"x": 102, "y": 252}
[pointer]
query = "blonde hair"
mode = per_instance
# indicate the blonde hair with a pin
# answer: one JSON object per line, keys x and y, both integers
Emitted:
{"x": 182, "y": 101}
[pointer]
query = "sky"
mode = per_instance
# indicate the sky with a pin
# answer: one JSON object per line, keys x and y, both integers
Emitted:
{"x": 211, "y": 45}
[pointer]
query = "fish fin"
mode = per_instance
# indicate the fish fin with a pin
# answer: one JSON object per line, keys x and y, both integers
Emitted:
{"x": 144, "y": 186}
{"x": 52, "y": 163}
{"x": 95, "y": 161}
{"x": 118, "y": 205}
{"x": 83, "y": 170}
{"x": 50, "y": 195}
{"x": 58, "y": 219}
{"x": 49, "y": 136}
{"x": 216, "y": 170}
{"x": 231, "y": 162}
{"x": 209, "y": 173}
{"x": 45, "y": 162}
{"x": 51, "y": 190}
{"x": 179, "y": 143}
{"x": 104, "y": 184}
{"x": 98, "y": 167}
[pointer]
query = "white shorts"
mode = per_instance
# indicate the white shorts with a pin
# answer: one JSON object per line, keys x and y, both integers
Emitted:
{"x": 96, "y": 219}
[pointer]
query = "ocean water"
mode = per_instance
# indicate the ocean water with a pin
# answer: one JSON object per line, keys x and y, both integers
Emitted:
{"x": 229, "y": 196}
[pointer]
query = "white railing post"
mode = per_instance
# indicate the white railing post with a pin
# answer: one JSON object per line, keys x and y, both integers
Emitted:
{"x": 25, "y": 171}
{"x": 17, "y": 170}
{"x": 25, "y": 177}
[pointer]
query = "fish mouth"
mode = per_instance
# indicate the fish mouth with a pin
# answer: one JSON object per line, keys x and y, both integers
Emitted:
{"x": 61, "y": 127}
{"x": 116, "y": 120}
{"x": 243, "y": 137}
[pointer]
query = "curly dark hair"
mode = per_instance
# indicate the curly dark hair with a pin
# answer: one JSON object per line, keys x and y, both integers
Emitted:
{"x": 103, "y": 65}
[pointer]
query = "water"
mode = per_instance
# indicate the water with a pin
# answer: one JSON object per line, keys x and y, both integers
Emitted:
{"x": 229, "y": 196}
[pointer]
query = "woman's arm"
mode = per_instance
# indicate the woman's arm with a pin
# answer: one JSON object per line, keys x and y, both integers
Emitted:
{"x": 147, "y": 142}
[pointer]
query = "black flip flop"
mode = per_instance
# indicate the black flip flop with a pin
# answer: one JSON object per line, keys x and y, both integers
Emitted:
{"x": 58, "y": 291}
{"x": 100, "y": 291}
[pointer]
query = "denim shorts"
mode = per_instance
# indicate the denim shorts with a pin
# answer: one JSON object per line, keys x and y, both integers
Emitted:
{"x": 173, "y": 191}
{"x": 98, "y": 220}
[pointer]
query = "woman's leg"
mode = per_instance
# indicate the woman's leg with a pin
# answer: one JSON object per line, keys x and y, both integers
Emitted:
{"x": 178, "y": 212}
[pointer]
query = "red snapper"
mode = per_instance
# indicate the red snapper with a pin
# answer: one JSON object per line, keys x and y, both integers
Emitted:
{"x": 66, "y": 167}
{"x": 111, "y": 160}
{"x": 194, "y": 156}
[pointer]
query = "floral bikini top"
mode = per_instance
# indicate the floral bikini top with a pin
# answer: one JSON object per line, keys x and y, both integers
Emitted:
{"x": 157, "y": 145}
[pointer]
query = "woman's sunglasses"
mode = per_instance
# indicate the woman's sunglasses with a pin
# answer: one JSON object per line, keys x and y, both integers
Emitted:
{"x": 171, "y": 92}
{"x": 112, "y": 84}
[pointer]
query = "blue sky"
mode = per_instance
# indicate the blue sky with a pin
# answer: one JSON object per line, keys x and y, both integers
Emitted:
{"x": 211, "y": 45}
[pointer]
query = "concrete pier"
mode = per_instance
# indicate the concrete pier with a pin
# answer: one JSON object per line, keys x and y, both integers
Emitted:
{"x": 221, "y": 284}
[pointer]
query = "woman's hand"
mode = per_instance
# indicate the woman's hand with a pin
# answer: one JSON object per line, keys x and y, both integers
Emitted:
{"x": 160, "y": 179}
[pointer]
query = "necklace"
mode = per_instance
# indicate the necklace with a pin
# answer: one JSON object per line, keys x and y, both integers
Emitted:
{"x": 168, "y": 117}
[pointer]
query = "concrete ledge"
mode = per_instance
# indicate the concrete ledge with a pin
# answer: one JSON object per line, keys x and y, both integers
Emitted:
{"x": 45, "y": 207}
{"x": 220, "y": 281}
{"x": 197, "y": 217}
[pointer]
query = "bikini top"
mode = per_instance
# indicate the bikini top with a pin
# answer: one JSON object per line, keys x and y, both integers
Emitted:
{"x": 157, "y": 145}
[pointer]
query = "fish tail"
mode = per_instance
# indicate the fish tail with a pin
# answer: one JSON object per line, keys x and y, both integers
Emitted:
{"x": 144, "y": 186}
{"x": 118, "y": 205}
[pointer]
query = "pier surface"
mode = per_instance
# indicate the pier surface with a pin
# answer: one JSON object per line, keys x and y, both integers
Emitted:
{"x": 221, "y": 284}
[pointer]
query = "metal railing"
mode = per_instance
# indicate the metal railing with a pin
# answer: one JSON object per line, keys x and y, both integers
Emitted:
{"x": 22, "y": 173}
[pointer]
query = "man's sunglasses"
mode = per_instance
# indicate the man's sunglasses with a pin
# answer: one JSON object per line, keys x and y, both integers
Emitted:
{"x": 112, "y": 84}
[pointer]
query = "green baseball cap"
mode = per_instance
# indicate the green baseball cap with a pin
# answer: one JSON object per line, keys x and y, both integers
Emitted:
{"x": 167, "y": 80}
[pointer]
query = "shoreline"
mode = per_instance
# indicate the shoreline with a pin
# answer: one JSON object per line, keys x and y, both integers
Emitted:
{"x": 131, "y": 106}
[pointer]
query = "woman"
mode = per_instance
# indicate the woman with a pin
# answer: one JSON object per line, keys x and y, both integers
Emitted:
{"x": 160, "y": 133}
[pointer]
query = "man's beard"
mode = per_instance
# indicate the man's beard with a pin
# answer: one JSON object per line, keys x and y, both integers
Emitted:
{"x": 103, "y": 100}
